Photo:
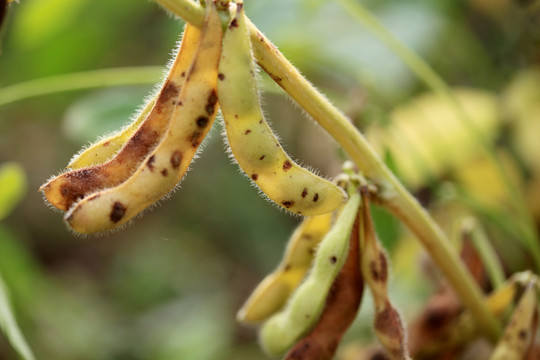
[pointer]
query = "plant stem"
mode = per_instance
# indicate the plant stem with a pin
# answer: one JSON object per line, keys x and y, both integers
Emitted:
{"x": 430, "y": 77}
{"x": 80, "y": 81}
{"x": 395, "y": 196}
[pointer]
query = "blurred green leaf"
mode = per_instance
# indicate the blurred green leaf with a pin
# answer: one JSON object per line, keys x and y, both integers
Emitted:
{"x": 19, "y": 268}
{"x": 12, "y": 187}
{"x": 38, "y": 21}
{"x": 10, "y": 327}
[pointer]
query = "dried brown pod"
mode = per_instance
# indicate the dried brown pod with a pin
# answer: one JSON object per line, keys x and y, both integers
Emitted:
{"x": 388, "y": 325}
{"x": 340, "y": 309}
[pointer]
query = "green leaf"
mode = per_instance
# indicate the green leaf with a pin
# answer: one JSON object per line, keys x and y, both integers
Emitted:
{"x": 39, "y": 21}
{"x": 12, "y": 187}
{"x": 10, "y": 328}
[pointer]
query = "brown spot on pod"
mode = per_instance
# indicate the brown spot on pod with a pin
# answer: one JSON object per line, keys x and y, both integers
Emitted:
{"x": 179, "y": 103}
{"x": 202, "y": 121}
{"x": 260, "y": 121}
{"x": 379, "y": 269}
{"x": 176, "y": 159}
{"x": 80, "y": 182}
{"x": 287, "y": 165}
{"x": 211, "y": 102}
{"x": 247, "y": 132}
{"x": 234, "y": 24}
{"x": 117, "y": 212}
{"x": 333, "y": 260}
{"x": 236, "y": 116}
{"x": 287, "y": 267}
{"x": 261, "y": 158}
{"x": 221, "y": 76}
{"x": 183, "y": 74}
{"x": 523, "y": 335}
{"x": 388, "y": 322}
{"x": 288, "y": 203}
{"x": 316, "y": 197}
{"x": 64, "y": 189}
{"x": 150, "y": 162}
{"x": 304, "y": 192}
{"x": 106, "y": 143}
{"x": 169, "y": 91}
{"x": 195, "y": 138}
{"x": 164, "y": 172}
{"x": 254, "y": 177}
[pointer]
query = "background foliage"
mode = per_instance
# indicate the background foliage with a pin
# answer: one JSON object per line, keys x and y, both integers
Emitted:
{"x": 168, "y": 286}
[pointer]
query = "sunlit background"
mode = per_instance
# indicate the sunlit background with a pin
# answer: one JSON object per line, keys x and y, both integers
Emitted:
{"x": 168, "y": 285}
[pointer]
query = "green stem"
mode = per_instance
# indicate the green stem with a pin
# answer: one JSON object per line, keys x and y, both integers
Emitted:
{"x": 430, "y": 77}
{"x": 401, "y": 202}
{"x": 80, "y": 81}
{"x": 9, "y": 326}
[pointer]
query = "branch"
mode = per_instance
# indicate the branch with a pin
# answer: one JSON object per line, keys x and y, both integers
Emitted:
{"x": 394, "y": 195}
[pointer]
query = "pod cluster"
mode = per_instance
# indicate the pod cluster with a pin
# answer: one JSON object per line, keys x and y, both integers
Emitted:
{"x": 304, "y": 313}
{"x": 119, "y": 176}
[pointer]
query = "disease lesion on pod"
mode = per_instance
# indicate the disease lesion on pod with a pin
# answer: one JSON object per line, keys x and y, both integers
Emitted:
{"x": 150, "y": 162}
{"x": 195, "y": 138}
{"x": 287, "y": 267}
{"x": 169, "y": 91}
{"x": 234, "y": 24}
{"x": 287, "y": 165}
{"x": 388, "y": 322}
{"x": 74, "y": 190}
{"x": 211, "y": 102}
{"x": 287, "y": 203}
{"x": 254, "y": 177}
{"x": 379, "y": 269}
{"x": 202, "y": 121}
{"x": 304, "y": 192}
{"x": 316, "y": 197}
{"x": 164, "y": 172}
{"x": 176, "y": 159}
{"x": 117, "y": 212}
